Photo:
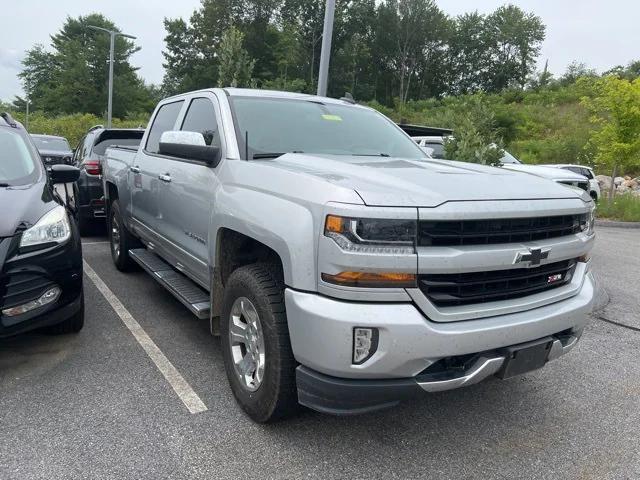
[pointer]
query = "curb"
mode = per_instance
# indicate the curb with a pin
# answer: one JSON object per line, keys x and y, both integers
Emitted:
{"x": 614, "y": 224}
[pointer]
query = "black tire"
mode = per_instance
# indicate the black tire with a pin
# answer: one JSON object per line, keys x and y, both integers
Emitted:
{"x": 124, "y": 242}
{"x": 71, "y": 325}
{"x": 85, "y": 226}
{"x": 276, "y": 396}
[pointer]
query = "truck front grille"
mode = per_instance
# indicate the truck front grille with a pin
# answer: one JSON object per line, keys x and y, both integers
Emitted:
{"x": 445, "y": 233}
{"x": 447, "y": 290}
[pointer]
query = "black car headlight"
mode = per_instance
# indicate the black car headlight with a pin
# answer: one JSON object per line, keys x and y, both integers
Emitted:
{"x": 52, "y": 228}
{"x": 372, "y": 235}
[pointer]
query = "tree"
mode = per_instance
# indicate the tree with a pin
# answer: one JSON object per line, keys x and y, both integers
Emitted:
{"x": 477, "y": 137}
{"x": 72, "y": 75}
{"x": 236, "y": 67}
{"x": 615, "y": 110}
{"x": 515, "y": 38}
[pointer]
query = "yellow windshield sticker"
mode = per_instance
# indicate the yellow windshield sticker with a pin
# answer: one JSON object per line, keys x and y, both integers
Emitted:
{"x": 333, "y": 118}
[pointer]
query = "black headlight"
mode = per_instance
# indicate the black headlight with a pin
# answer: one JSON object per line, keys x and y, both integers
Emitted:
{"x": 372, "y": 235}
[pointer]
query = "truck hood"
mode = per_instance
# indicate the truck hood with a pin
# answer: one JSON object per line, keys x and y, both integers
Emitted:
{"x": 546, "y": 172}
{"x": 421, "y": 183}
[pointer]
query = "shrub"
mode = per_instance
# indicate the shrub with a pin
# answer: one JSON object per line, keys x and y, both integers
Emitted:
{"x": 625, "y": 208}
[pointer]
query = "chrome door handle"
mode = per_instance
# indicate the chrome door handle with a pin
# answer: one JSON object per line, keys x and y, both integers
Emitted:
{"x": 164, "y": 178}
{"x": 135, "y": 169}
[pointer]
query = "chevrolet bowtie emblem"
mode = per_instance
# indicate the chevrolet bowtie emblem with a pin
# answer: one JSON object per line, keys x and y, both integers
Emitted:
{"x": 533, "y": 256}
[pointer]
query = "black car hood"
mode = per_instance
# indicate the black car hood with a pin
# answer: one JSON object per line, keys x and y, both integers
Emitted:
{"x": 55, "y": 153}
{"x": 22, "y": 206}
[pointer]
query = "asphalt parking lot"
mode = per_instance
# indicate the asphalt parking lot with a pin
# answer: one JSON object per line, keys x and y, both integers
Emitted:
{"x": 94, "y": 405}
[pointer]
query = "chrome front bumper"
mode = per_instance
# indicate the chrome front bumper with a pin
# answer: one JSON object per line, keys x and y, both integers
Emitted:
{"x": 321, "y": 331}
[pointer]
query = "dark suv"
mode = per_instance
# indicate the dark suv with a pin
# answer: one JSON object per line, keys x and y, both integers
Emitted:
{"x": 40, "y": 250}
{"x": 88, "y": 158}
{"x": 54, "y": 150}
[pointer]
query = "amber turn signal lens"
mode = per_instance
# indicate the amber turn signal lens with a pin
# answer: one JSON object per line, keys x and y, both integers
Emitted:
{"x": 371, "y": 280}
{"x": 334, "y": 224}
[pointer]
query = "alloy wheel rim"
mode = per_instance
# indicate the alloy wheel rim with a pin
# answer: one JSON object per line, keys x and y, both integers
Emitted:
{"x": 247, "y": 344}
{"x": 115, "y": 237}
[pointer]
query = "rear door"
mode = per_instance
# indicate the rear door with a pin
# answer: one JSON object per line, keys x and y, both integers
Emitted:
{"x": 147, "y": 171}
{"x": 187, "y": 202}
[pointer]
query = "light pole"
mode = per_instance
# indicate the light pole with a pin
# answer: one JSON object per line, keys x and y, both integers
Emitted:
{"x": 325, "y": 56}
{"x": 26, "y": 121}
{"x": 112, "y": 37}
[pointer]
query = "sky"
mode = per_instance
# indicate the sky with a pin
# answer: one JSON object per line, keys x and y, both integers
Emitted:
{"x": 600, "y": 34}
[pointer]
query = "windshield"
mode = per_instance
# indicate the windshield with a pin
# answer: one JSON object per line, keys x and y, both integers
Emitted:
{"x": 51, "y": 143}
{"x": 278, "y": 126}
{"x": 17, "y": 160}
{"x": 508, "y": 158}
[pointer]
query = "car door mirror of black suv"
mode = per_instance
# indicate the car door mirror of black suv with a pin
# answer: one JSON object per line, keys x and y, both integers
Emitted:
{"x": 189, "y": 146}
{"x": 63, "y": 173}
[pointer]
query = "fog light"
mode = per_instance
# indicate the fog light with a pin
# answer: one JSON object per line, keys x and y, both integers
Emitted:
{"x": 46, "y": 298}
{"x": 365, "y": 344}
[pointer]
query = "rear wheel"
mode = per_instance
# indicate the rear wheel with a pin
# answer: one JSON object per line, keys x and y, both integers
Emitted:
{"x": 120, "y": 239}
{"x": 255, "y": 343}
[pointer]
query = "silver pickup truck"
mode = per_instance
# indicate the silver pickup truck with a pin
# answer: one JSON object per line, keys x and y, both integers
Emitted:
{"x": 342, "y": 268}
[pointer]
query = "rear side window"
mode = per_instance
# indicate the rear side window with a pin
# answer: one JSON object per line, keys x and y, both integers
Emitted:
{"x": 164, "y": 121}
{"x": 201, "y": 118}
{"x": 587, "y": 173}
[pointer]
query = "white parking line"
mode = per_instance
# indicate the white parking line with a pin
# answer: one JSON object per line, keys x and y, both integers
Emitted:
{"x": 94, "y": 243}
{"x": 184, "y": 391}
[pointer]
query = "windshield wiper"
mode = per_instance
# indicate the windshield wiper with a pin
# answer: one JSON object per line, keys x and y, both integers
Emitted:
{"x": 386, "y": 155}
{"x": 258, "y": 156}
{"x": 3, "y": 184}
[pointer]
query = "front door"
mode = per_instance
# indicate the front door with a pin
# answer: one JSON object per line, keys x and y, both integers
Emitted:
{"x": 188, "y": 199}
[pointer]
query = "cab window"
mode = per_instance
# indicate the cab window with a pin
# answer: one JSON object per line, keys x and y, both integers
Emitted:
{"x": 165, "y": 120}
{"x": 201, "y": 118}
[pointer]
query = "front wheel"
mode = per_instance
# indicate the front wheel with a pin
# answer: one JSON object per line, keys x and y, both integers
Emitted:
{"x": 255, "y": 343}
{"x": 71, "y": 325}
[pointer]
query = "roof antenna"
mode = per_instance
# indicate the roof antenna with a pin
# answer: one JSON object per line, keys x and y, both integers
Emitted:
{"x": 348, "y": 98}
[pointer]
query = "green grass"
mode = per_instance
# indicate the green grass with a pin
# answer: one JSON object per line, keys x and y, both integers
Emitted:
{"x": 625, "y": 208}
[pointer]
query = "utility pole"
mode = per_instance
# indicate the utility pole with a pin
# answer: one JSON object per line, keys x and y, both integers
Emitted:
{"x": 112, "y": 43}
{"x": 325, "y": 56}
{"x": 28, "y": 92}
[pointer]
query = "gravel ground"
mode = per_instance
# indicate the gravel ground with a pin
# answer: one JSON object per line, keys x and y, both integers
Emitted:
{"x": 95, "y": 406}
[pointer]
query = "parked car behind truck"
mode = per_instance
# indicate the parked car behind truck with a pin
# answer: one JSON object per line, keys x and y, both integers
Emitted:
{"x": 342, "y": 268}
{"x": 88, "y": 157}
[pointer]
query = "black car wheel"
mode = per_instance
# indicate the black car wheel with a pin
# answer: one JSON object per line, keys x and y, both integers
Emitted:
{"x": 120, "y": 239}
{"x": 71, "y": 325}
{"x": 255, "y": 343}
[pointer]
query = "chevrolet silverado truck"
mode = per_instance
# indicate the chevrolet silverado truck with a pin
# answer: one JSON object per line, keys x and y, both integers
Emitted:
{"x": 342, "y": 268}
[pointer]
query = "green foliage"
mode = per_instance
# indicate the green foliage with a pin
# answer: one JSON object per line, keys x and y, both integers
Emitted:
{"x": 384, "y": 50}
{"x": 625, "y": 208}
{"x": 615, "y": 113}
{"x": 477, "y": 137}
{"x": 236, "y": 68}
{"x": 74, "y": 126}
{"x": 71, "y": 76}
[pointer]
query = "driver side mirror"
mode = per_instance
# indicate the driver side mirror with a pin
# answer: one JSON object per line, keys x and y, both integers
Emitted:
{"x": 189, "y": 146}
{"x": 63, "y": 173}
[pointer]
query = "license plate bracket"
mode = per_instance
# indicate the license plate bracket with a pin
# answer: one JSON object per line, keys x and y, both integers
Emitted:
{"x": 525, "y": 357}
